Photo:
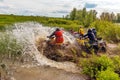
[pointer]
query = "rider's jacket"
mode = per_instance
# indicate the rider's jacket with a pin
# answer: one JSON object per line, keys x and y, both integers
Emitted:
{"x": 91, "y": 36}
{"x": 59, "y": 36}
{"x": 81, "y": 31}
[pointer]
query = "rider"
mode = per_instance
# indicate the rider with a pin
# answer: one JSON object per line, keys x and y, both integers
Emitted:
{"x": 94, "y": 31}
{"x": 58, "y": 36}
{"x": 81, "y": 31}
{"x": 71, "y": 31}
{"x": 91, "y": 36}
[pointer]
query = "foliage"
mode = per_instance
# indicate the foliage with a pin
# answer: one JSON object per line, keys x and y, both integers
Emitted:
{"x": 85, "y": 17}
{"x": 96, "y": 64}
{"x": 108, "y": 75}
{"x": 102, "y": 68}
{"x": 107, "y": 30}
{"x": 84, "y": 54}
{"x": 108, "y": 16}
{"x": 116, "y": 61}
{"x": 118, "y": 18}
{"x": 47, "y": 21}
{"x": 73, "y": 14}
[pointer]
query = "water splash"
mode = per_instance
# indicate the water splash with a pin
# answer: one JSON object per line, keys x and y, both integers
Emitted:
{"x": 26, "y": 33}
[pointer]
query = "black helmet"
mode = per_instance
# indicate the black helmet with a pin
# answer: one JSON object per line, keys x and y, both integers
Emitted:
{"x": 89, "y": 30}
{"x": 93, "y": 28}
{"x": 57, "y": 29}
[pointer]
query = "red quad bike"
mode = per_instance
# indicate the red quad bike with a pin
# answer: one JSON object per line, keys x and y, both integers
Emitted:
{"x": 50, "y": 43}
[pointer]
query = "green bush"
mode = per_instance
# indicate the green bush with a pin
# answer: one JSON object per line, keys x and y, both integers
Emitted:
{"x": 96, "y": 64}
{"x": 102, "y": 68}
{"x": 116, "y": 61}
{"x": 107, "y": 75}
{"x": 108, "y": 30}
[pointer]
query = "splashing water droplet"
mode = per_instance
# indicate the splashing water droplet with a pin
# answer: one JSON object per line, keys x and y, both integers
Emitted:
{"x": 26, "y": 33}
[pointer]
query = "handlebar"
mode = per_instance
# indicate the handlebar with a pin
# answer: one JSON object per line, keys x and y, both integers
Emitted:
{"x": 50, "y": 37}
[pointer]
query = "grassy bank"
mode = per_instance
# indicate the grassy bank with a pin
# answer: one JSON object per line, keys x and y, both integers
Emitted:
{"x": 109, "y": 31}
{"x": 47, "y": 21}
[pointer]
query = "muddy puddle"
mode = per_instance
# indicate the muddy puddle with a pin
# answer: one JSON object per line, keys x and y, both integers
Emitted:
{"x": 44, "y": 73}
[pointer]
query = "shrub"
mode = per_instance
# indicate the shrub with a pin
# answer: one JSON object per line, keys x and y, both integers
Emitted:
{"x": 96, "y": 64}
{"x": 108, "y": 30}
{"x": 107, "y": 75}
{"x": 116, "y": 61}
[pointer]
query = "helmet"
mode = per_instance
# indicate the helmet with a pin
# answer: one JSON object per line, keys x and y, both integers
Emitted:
{"x": 89, "y": 30}
{"x": 93, "y": 28}
{"x": 80, "y": 26}
{"x": 57, "y": 29}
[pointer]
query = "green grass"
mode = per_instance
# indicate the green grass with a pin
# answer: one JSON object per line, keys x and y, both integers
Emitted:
{"x": 109, "y": 31}
{"x": 47, "y": 21}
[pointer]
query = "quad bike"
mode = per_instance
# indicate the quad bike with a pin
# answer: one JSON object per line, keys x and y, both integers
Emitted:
{"x": 97, "y": 46}
{"x": 51, "y": 43}
{"x": 102, "y": 45}
{"x": 57, "y": 51}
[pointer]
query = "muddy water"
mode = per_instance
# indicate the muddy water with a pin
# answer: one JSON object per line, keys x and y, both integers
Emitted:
{"x": 44, "y": 73}
{"x": 26, "y": 34}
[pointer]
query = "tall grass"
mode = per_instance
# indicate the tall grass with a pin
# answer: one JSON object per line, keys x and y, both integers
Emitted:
{"x": 9, "y": 47}
{"x": 47, "y": 21}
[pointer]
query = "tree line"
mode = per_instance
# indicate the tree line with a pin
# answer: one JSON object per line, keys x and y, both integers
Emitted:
{"x": 87, "y": 17}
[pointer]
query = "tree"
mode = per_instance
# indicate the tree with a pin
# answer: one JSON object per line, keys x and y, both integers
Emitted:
{"x": 67, "y": 17}
{"x": 113, "y": 17}
{"x": 85, "y": 17}
{"x": 84, "y": 13}
{"x": 108, "y": 16}
{"x": 73, "y": 14}
{"x": 90, "y": 17}
{"x": 118, "y": 17}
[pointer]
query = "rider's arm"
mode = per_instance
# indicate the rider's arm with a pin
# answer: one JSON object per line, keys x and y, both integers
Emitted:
{"x": 52, "y": 34}
{"x": 85, "y": 35}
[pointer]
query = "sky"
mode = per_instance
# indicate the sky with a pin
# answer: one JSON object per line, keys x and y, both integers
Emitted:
{"x": 56, "y": 8}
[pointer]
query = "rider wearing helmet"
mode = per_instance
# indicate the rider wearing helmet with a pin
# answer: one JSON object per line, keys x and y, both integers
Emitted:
{"x": 58, "y": 36}
{"x": 81, "y": 31}
{"x": 91, "y": 36}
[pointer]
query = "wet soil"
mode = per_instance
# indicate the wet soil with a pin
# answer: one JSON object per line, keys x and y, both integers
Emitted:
{"x": 30, "y": 72}
{"x": 44, "y": 73}
{"x": 60, "y": 53}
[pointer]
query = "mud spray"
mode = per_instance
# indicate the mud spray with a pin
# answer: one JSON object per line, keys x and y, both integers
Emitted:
{"x": 27, "y": 34}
